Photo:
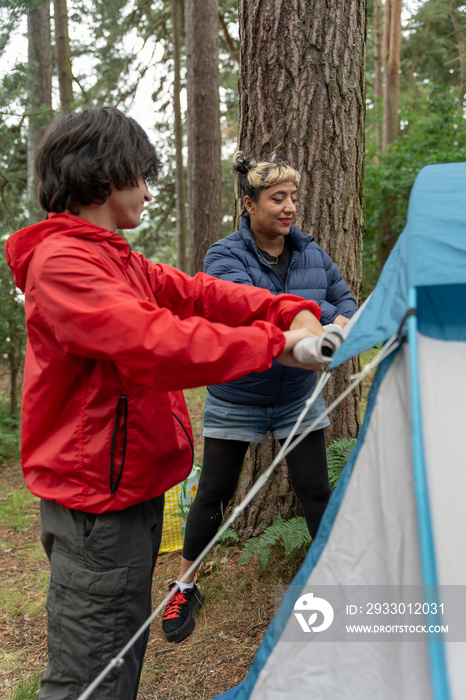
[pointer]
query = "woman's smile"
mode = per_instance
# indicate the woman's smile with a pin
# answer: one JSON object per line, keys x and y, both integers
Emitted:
{"x": 273, "y": 212}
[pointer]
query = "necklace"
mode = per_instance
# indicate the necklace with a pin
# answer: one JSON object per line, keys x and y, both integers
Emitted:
{"x": 271, "y": 262}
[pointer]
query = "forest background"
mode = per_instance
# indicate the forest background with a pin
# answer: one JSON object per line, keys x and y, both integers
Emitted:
{"x": 133, "y": 55}
{"x": 359, "y": 96}
{"x": 141, "y": 57}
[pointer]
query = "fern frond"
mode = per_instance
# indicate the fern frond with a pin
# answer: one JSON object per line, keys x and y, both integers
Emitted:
{"x": 295, "y": 534}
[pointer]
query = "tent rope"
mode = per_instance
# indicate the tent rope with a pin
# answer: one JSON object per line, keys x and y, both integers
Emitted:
{"x": 390, "y": 346}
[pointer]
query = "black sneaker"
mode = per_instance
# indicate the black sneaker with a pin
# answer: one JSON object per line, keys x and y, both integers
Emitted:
{"x": 178, "y": 619}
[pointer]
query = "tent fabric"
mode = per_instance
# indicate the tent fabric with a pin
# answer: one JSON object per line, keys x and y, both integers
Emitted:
{"x": 373, "y": 532}
{"x": 443, "y": 388}
{"x": 430, "y": 251}
{"x": 357, "y": 546}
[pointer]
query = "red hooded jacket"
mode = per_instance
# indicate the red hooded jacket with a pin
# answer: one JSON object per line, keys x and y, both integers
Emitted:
{"x": 112, "y": 339}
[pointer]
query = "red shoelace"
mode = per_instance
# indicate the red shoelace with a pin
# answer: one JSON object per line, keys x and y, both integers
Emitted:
{"x": 173, "y": 605}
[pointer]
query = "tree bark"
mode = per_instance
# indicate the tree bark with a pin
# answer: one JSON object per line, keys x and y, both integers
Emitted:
{"x": 392, "y": 57}
{"x": 302, "y": 95}
{"x": 378, "y": 82}
{"x": 203, "y": 128}
{"x": 275, "y": 498}
{"x": 40, "y": 90}
{"x": 62, "y": 44}
{"x": 459, "y": 33}
{"x": 391, "y": 102}
{"x": 15, "y": 363}
{"x": 418, "y": 57}
{"x": 177, "y": 26}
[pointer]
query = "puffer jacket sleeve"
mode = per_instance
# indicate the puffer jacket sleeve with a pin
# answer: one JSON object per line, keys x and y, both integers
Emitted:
{"x": 221, "y": 262}
{"x": 339, "y": 299}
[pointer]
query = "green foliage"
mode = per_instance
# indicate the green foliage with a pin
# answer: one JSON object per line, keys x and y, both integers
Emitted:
{"x": 9, "y": 437}
{"x": 430, "y": 45}
{"x": 12, "y": 329}
{"x": 291, "y": 534}
{"x": 229, "y": 534}
{"x": 338, "y": 453}
{"x": 433, "y": 130}
{"x": 26, "y": 688}
{"x": 15, "y": 509}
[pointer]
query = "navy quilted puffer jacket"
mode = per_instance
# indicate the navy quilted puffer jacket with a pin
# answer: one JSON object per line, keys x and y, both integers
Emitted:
{"x": 311, "y": 275}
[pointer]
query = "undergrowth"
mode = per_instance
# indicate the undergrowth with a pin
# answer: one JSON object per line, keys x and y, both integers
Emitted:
{"x": 291, "y": 535}
{"x": 9, "y": 436}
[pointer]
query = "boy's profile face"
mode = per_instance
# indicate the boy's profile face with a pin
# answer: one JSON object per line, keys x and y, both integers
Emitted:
{"x": 125, "y": 207}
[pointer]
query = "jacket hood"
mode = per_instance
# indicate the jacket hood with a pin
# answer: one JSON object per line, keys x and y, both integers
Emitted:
{"x": 21, "y": 246}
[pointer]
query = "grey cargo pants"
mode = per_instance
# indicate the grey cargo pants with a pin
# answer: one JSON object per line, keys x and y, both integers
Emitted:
{"x": 99, "y": 595}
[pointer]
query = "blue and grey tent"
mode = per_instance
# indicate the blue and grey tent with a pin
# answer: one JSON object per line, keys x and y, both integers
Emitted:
{"x": 396, "y": 523}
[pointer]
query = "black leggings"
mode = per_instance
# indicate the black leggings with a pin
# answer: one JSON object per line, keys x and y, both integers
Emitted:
{"x": 221, "y": 469}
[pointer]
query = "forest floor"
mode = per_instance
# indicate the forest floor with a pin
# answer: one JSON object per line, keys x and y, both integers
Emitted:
{"x": 238, "y": 608}
{"x": 217, "y": 656}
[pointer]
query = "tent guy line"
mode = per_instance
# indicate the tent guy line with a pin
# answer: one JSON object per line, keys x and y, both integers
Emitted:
{"x": 390, "y": 346}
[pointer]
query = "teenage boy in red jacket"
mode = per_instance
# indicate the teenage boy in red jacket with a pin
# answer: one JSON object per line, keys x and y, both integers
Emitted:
{"x": 112, "y": 341}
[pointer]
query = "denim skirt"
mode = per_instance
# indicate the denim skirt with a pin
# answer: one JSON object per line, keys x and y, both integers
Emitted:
{"x": 251, "y": 422}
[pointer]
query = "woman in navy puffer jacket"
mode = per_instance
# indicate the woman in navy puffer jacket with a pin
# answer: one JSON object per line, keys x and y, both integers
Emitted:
{"x": 268, "y": 252}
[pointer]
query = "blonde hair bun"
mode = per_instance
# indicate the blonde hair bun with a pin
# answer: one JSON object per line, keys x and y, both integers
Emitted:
{"x": 257, "y": 176}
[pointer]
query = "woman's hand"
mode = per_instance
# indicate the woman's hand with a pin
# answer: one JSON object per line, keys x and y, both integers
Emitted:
{"x": 291, "y": 338}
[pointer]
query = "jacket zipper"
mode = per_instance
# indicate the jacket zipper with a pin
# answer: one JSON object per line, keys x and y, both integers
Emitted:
{"x": 186, "y": 433}
{"x": 114, "y": 482}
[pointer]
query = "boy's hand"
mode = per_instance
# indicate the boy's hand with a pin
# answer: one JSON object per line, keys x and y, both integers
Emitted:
{"x": 306, "y": 319}
{"x": 291, "y": 338}
{"x": 341, "y": 321}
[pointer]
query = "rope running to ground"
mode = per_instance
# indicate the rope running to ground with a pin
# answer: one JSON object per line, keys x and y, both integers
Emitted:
{"x": 287, "y": 446}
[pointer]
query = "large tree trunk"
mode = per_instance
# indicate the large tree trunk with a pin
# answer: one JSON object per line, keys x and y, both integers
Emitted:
{"x": 40, "y": 89}
{"x": 62, "y": 43}
{"x": 276, "y": 497}
{"x": 302, "y": 95}
{"x": 203, "y": 127}
{"x": 177, "y": 28}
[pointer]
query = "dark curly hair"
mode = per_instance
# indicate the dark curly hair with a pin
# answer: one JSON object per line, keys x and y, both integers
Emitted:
{"x": 83, "y": 153}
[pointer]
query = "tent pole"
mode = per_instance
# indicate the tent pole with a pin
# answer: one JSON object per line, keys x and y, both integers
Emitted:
{"x": 438, "y": 671}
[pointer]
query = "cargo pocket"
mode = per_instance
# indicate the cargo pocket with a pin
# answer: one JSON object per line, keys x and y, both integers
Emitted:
{"x": 86, "y": 611}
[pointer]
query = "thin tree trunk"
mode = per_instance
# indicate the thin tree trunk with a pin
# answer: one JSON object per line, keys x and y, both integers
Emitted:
{"x": 177, "y": 24}
{"x": 418, "y": 58}
{"x": 378, "y": 83}
{"x": 62, "y": 43}
{"x": 14, "y": 362}
{"x": 40, "y": 89}
{"x": 203, "y": 127}
{"x": 302, "y": 95}
{"x": 459, "y": 33}
{"x": 392, "y": 57}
